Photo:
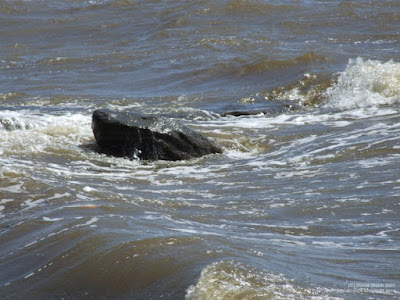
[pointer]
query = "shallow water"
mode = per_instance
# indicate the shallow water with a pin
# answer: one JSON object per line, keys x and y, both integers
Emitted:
{"x": 302, "y": 204}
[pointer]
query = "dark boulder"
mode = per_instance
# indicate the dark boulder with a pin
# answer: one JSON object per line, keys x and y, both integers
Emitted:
{"x": 147, "y": 137}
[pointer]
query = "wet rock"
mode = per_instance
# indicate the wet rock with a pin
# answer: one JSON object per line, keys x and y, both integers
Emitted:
{"x": 238, "y": 113}
{"x": 269, "y": 108}
{"x": 268, "y": 112}
{"x": 147, "y": 137}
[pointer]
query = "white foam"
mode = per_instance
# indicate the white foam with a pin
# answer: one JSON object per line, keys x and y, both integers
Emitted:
{"x": 46, "y": 219}
{"x": 16, "y": 188}
{"x": 366, "y": 83}
{"x": 22, "y": 120}
{"x": 29, "y": 204}
{"x": 89, "y": 222}
{"x": 30, "y": 132}
{"x": 29, "y": 275}
{"x": 327, "y": 244}
{"x": 88, "y": 189}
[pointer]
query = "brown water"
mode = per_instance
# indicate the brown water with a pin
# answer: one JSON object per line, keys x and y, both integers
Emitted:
{"x": 302, "y": 204}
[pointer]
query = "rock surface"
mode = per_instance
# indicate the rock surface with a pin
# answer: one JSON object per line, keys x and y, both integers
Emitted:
{"x": 147, "y": 137}
{"x": 267, "y": 108}
{"x": 269, "y": 111}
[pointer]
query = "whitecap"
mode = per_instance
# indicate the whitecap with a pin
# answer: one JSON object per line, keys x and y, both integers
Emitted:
{"x": 365, "y": 83}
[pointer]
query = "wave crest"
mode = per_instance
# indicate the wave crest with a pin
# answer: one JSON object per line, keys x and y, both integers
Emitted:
{"x": 365, "y": 83}
{"x": 232, "y": 280}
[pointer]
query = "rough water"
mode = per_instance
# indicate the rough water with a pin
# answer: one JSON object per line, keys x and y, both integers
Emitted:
{"x": 304, "y": 201}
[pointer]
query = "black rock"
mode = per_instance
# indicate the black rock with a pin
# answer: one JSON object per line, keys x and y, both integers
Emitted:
{"x": 270, "y": 111}
{"x": 238, "y": 113}
{"x": 147, "y": 137}
{"x": 268, "y": 108}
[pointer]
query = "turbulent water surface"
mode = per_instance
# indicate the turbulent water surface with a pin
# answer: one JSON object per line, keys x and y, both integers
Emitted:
{"x": 303, "y": 203}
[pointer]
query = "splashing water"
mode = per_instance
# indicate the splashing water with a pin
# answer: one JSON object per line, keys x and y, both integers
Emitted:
{"x": 366, "y": 83}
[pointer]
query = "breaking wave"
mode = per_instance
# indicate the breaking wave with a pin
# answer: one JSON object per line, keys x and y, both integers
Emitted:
{"x": 365, "y": 83}
{"x": 232, "y": 280}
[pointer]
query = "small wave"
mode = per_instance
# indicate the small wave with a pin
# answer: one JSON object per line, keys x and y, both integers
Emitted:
{"x": 308, "y": 90}
{"x": 71, "y": 62}
{"x": 12, "y": 96}
{"x": 238, "y": 67}
{"x": 53, "y": 61}
{"x": 263, "y": 65}
{"x": 233, "y": 280}
{"x": 365, "y": 83}
{"x": 257, "y": 7}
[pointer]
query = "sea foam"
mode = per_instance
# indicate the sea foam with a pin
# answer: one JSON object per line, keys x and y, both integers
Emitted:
{"x": 365, "y": 83}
